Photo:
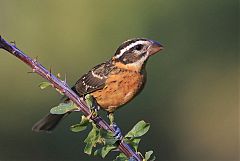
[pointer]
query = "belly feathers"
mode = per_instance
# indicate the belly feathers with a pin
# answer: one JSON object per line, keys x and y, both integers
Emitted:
{"x": 119, "y": 90}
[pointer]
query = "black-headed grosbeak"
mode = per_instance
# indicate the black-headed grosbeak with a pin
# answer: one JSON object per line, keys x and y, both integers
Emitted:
{"x": 114, "y": 82}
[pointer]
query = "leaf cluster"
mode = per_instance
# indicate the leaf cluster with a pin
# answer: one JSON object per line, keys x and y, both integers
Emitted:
{"x": 133, "y": 139}
{"x": 100, "y": 142}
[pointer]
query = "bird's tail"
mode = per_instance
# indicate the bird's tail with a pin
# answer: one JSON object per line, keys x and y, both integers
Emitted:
{"x": 48, "y": 122}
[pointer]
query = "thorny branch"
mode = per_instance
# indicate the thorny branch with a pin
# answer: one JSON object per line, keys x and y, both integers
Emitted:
{"x": 64, "y": 88}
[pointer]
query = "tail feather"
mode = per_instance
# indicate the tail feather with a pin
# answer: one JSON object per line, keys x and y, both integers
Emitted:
{"x": 48, "y": 123}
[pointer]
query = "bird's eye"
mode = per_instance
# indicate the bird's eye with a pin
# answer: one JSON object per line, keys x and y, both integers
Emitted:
{"x": 138, "y": 47}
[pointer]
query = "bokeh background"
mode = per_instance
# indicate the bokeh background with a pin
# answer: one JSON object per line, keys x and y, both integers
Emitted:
{"x": 191, "y": 97}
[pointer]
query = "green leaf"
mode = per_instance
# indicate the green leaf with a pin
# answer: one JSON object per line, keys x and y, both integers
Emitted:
{"x": 59, "y": 91}
{"x": 93, "y": 135}
{"x": 121, "y": 157}
{"x": 110, "y": 141}
{"x": 107, "y": 149}
{"x": 104, "y": 150}
{"x": 91, "y": 140}
{"x": 108, "y": 137}
{"x": 77, "y": 128}
{"x": 134, "y": 142}
{"x": 138, "y": 130}
{"x": 84, "y": 120}
{"x": 44, "y": 85}
{"x": 81, "y": 126}
{"x": 89, "y": 100}
{"x": 63, "y": 108}
{"x": 88, "y": 148}
{"x": 148, "y": 155}
{"x": 106, "y": 134}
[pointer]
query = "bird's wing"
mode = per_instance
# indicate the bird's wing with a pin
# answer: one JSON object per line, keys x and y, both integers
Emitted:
{"x": 94, "y": 79}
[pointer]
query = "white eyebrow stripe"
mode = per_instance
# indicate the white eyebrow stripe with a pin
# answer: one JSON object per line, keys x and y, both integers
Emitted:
{"x": 129, "y": 47}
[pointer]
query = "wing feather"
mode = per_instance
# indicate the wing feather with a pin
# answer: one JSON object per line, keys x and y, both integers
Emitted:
{"x": 94, "y": 79}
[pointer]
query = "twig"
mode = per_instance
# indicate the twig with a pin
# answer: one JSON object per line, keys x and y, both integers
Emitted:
{"x": 64, "y": 88}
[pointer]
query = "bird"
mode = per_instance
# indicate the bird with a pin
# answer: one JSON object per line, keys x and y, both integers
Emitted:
{"x": 113, "y": 83}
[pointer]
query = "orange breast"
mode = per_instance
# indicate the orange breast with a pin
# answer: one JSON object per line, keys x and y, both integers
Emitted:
{"x": 119, "y": 89}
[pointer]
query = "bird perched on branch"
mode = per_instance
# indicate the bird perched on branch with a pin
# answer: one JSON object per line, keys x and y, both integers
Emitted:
{"x": 112, "y": 83}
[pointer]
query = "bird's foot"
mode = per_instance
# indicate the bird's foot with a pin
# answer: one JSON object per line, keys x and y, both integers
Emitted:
{"x": 118, "y": 132}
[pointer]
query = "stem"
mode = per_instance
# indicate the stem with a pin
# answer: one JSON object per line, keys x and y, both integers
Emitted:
{"x": 64, "y": 88}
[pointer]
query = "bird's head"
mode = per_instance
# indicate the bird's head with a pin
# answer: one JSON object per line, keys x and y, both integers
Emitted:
{"x": 135, "y": 52}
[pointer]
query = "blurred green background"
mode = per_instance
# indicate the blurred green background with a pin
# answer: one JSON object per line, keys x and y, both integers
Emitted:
{"x": 191, "y": 97}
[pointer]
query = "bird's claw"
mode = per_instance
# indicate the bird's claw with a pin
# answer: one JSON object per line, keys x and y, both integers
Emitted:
{"x": 118, "y": 132}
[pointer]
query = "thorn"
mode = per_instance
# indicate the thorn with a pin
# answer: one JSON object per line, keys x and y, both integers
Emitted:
{"x": 116, "y": 150}
{"x": 77, "y": 110}
{"x": 89, "y": 116}
{"x": 33, "y": 71}
{"x": 92, "y": 115}
{"x": 35, "y": 59}
{"x": 140, "y": 154}
{"x": 65, "y": 79}
{"x": 14, "y": 43}
{"x": 50, "y": 72}
{"x": 80, "y": 99}
{"x": 61, "y": 91}
{"x": 58, "y": 75}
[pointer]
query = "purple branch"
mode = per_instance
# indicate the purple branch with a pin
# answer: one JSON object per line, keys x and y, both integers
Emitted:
{"x": 64, "y": 88}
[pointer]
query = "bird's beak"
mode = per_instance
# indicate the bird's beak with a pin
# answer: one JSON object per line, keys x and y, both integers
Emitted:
{"x": 155, "y": 47}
